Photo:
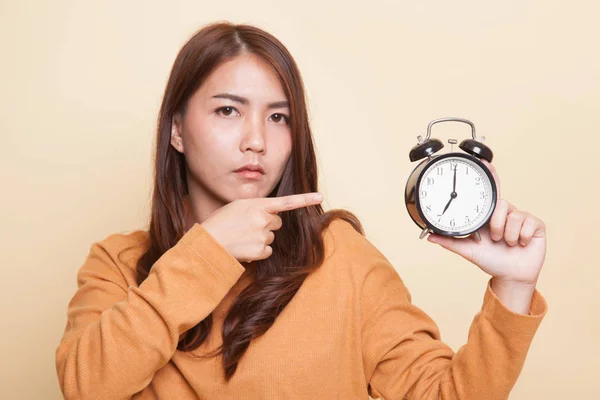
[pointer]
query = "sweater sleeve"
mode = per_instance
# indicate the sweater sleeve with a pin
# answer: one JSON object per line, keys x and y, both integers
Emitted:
{"x": 117, "y": 337}
{"x": 405, "y": 358}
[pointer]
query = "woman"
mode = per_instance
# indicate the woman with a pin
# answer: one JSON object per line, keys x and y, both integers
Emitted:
{"x": 244, "y": 288}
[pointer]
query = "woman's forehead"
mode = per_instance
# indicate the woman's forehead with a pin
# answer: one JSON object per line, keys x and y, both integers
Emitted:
{"x": 247, "y": 77}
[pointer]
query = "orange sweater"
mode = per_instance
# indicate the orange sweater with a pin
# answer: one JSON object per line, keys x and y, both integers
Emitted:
{"x": 350, "y": 330}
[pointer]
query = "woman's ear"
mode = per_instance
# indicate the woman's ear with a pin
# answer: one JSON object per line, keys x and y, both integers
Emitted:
{"x": 176, "y": 129}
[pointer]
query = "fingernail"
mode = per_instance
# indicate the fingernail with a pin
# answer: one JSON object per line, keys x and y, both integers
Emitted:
{"x": 318, "y": 197}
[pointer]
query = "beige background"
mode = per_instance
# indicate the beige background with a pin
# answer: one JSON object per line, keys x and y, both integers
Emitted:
{"x": 81, "y": 82}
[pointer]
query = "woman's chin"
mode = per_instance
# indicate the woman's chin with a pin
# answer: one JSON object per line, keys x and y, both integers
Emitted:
{"x": 249, "y": 193}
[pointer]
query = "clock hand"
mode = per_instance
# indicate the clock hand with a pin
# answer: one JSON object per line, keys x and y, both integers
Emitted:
{"x": 454, "y": 184}
{"x": 453, "y": 194}
{"x": 447, "y": 205}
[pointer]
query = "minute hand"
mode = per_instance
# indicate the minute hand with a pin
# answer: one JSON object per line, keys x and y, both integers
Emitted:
{"x": 453, "y": 194}
{"x": 454, "y": 183}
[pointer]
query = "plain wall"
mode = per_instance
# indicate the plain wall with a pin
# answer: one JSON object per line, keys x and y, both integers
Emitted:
{"x": 80, "y": 87}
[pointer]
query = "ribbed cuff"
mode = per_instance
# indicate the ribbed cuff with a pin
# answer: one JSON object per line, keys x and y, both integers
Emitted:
{"x": 198, "y": 238}
{"x": 495, "y": 311}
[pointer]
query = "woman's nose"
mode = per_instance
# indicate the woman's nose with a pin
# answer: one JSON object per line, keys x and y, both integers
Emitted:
{"x": 254, "y": 135}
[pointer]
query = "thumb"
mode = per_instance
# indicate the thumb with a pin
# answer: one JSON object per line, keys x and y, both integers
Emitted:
{"x": 462, "y": 247}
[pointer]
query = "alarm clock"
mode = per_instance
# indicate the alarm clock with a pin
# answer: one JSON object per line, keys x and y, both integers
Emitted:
{"x": 452, "y": 194}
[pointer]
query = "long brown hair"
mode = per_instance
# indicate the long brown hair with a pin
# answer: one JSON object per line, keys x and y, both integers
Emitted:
{"x": 298, "y": 247}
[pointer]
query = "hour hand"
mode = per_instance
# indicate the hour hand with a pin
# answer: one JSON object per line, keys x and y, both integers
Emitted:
{"x": 447, "y": 205}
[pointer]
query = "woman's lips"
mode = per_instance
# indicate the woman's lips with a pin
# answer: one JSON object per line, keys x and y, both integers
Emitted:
{"x": 248, "y": 174}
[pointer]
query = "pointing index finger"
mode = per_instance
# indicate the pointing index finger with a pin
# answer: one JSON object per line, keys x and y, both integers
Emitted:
{"x": 292, "y": 202}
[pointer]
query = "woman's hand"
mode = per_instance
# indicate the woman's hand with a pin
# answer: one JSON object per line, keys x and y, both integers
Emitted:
{"x": 512, "y": 247}
{"x": 245, "y": 227}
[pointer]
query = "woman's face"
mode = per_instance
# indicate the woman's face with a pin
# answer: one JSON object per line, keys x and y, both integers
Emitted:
{"x": 239, "y": 116}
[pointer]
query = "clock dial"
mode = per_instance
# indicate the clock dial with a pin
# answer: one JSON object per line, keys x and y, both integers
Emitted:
{"x": 455, "y": 195}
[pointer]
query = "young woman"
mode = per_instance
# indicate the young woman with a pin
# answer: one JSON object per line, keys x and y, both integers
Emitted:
{"x": 243, "y": 288}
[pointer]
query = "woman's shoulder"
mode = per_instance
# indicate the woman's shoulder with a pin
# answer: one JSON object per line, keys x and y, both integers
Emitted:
{"x": 353, "y": 252}
{"x": 343, "y": 240}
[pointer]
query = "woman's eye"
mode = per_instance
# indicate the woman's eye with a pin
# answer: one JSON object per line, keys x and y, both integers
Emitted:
{"x": 280, "y": 117}
{"x": 226, "y": 111}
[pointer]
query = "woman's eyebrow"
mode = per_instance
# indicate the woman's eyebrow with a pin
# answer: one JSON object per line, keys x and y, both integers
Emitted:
{"x": 244, "y": 101}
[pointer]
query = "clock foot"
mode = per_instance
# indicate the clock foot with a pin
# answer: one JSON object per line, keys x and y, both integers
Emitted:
{"x": 477, "y": 236}
{"x": 424, "y": 233}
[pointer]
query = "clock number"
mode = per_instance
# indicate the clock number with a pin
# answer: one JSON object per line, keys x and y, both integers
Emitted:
{"x": 423, "y": 194}
{"x": 439, "y": 217}
{"x": 467, "y": 219}
{"x": 453, "y": 166}
{"x": 477, "y": 208}
{"x": 452, "y": 222}
{"x": 430, "y": 181}
{"x": 481, "y": 195}
{"x": 478, "y": 180}
{"x": 467, "y": 169}
{"x": 428, "y": 208}
{"x": 440, "y": 171}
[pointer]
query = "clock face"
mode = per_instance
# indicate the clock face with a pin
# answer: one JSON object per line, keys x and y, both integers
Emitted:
{"x": 456, "y": 195}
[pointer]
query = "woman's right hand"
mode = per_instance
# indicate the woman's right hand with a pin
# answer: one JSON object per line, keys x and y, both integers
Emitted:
{"x": 245, "y": 227}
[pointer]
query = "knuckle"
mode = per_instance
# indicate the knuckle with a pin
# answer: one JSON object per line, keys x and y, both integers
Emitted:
{"x": 278, "y": 222}
{"x": 267, "y": 251}
{"x": 288, "y": 204}
{"x": 259, "y": 250}
{"x": 525, "y": 235}
{"x": 260, "y": 219}
{"x": 515, "y": 216}
{"x": 264, "y": 238}
{"x": 270, "y": 221}
{"x": 531, "y": 223}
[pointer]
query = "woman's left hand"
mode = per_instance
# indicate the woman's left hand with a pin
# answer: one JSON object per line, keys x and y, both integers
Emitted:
{"x": 512, "y": 247}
